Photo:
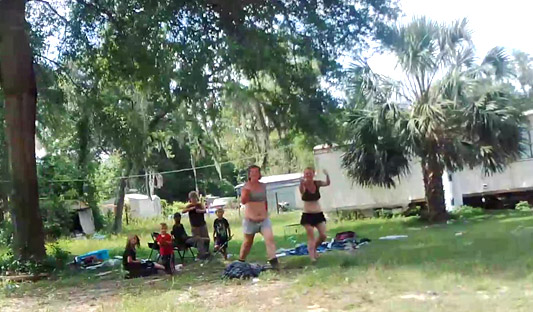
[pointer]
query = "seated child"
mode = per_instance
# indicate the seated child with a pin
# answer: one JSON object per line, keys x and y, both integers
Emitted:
{"x": 137, "y": 268}
{"x": 182, "y": 239}
{"x": 221, "y": 233}
{"x": 166, "y": 249}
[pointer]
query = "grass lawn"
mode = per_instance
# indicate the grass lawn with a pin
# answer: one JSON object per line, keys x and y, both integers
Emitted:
{"x": 480, "y": 264}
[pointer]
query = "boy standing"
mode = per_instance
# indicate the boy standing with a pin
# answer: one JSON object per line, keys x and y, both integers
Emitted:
{"x": 166, "y": 250}
{"x": 221, "y": 233}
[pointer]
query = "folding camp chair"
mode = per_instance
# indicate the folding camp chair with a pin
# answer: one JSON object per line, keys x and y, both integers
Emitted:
{"x": 154, "y": 246}
{"x": 182, "y": 250}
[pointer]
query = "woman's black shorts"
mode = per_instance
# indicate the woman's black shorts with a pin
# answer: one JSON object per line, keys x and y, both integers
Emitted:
{"x": 312, "y": 218}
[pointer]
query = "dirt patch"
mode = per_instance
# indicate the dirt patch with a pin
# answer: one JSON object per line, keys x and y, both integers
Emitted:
{"x": 88, "y": 298}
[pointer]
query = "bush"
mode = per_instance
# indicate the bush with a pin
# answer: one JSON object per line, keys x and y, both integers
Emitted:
{"x": 9, "y": 264}
{"x": 55, "y": 260}
{"x": 464, "y": 212}
{"x": 57, "y": 217}
{"x": 6, "y": 233}
{"x": 413, "y": 211}
{"x": 347, "y": 215}
{"x": 523, "y": 206}
{"x": 60, "y": 256}
{"x": 170, "y": 209}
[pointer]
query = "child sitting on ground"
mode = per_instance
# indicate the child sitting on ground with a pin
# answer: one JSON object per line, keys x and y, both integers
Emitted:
{"x": 137, "y": 268}
{"x": 221, "y": 233}
{"x": 166, "y": 249}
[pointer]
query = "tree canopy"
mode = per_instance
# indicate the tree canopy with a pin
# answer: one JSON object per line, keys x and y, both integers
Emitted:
{"x": 450, "y": 112}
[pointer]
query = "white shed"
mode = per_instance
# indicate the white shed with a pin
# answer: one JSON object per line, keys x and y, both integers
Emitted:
{"x": 141, "y": 206}
{"x": 84, "y": 215}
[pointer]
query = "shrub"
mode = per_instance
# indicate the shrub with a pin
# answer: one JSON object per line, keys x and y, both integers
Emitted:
{"x": 6, "y": 233}
{"x": 170, "y": 209}
{"x": 467, "y": 212}
{"x": 60, "y": 256}
{"x": 413, "y": 211}
{"x": 55, "y": 260}
{"x": 9, "y": 264}
{"x": 347, "y": 215}
{"x": 523, "y": 206}
{"x": 57, "y": 217}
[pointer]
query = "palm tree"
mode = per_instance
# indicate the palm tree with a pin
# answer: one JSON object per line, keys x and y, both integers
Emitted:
{"x": 448, "y": 112}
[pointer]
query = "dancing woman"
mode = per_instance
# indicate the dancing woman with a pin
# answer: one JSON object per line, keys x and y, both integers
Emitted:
{"x": 256, "y": 219}
{"x": 313, "y": 217}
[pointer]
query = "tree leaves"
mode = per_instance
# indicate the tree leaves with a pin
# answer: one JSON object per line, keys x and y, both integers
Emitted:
{"x": 466, "y": 118}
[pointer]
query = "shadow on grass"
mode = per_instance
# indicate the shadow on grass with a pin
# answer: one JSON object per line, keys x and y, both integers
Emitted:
{"x": 496, "y": 244}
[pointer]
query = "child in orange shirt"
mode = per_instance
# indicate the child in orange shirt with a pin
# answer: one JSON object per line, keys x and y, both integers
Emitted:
{"x": 166, "y": 248}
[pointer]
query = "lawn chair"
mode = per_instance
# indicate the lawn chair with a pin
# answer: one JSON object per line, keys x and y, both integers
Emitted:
{"x": 182, "y": 250}
{"x": 154, "y": 246}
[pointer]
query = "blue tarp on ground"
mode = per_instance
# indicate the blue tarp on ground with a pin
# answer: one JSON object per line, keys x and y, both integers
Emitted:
{"x": 301, "y": 249}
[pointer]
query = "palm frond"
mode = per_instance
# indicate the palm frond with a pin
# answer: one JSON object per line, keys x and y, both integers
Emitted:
{"x": 424, "y": 49}
{"x": 492, "y": 124}
{"x": 366, "y": 89}
{"x": 378, "y": 152}
{"x": 498, "y": 63}
{"x": 363, "y": 84}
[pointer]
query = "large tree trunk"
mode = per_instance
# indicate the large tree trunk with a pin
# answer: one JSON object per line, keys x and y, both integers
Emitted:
{"x": 432, "y": 171}
{"x": 17, "y": 79}
{"x": 117, "y": 226}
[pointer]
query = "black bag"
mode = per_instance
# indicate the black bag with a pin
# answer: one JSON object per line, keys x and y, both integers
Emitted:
{"x": 242, "y": 270}
{"x": 345, "y": 235}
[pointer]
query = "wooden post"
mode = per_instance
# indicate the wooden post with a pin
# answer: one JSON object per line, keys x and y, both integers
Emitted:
{"x": 277, "y": 202}
{"x": 126, "y": 208}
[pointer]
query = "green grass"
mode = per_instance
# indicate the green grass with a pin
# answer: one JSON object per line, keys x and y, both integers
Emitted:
{"x": 143, "y": 228}
{"x": 483, "y": 263}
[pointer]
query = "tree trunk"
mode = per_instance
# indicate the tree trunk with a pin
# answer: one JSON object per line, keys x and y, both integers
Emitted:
{"x": 17, "y": 79}
{"x": 83, "y": 150}
{"x": 434, "y": 189}
{"x": 117, "y": 226}
{"x": 85, "y": 186}
{"x": 2, "y": 209}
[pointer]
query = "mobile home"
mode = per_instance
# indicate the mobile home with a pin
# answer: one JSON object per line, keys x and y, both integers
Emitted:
{"x": 471, "y": 187}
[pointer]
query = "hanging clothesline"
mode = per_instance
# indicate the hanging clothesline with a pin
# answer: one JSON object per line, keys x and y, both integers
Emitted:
{"x": 164, "y": 172}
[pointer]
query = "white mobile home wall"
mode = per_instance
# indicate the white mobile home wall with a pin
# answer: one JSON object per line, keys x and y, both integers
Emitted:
{"x": 345, "y": 194}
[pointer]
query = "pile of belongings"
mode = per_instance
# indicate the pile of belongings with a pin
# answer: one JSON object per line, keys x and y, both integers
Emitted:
{"x": 342, "y": 241}
{"x": 242, "y": 270}
{"x": 95, "y": 259}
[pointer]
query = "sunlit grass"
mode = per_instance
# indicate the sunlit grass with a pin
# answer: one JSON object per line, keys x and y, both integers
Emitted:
{"x": 481, "y": 264}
